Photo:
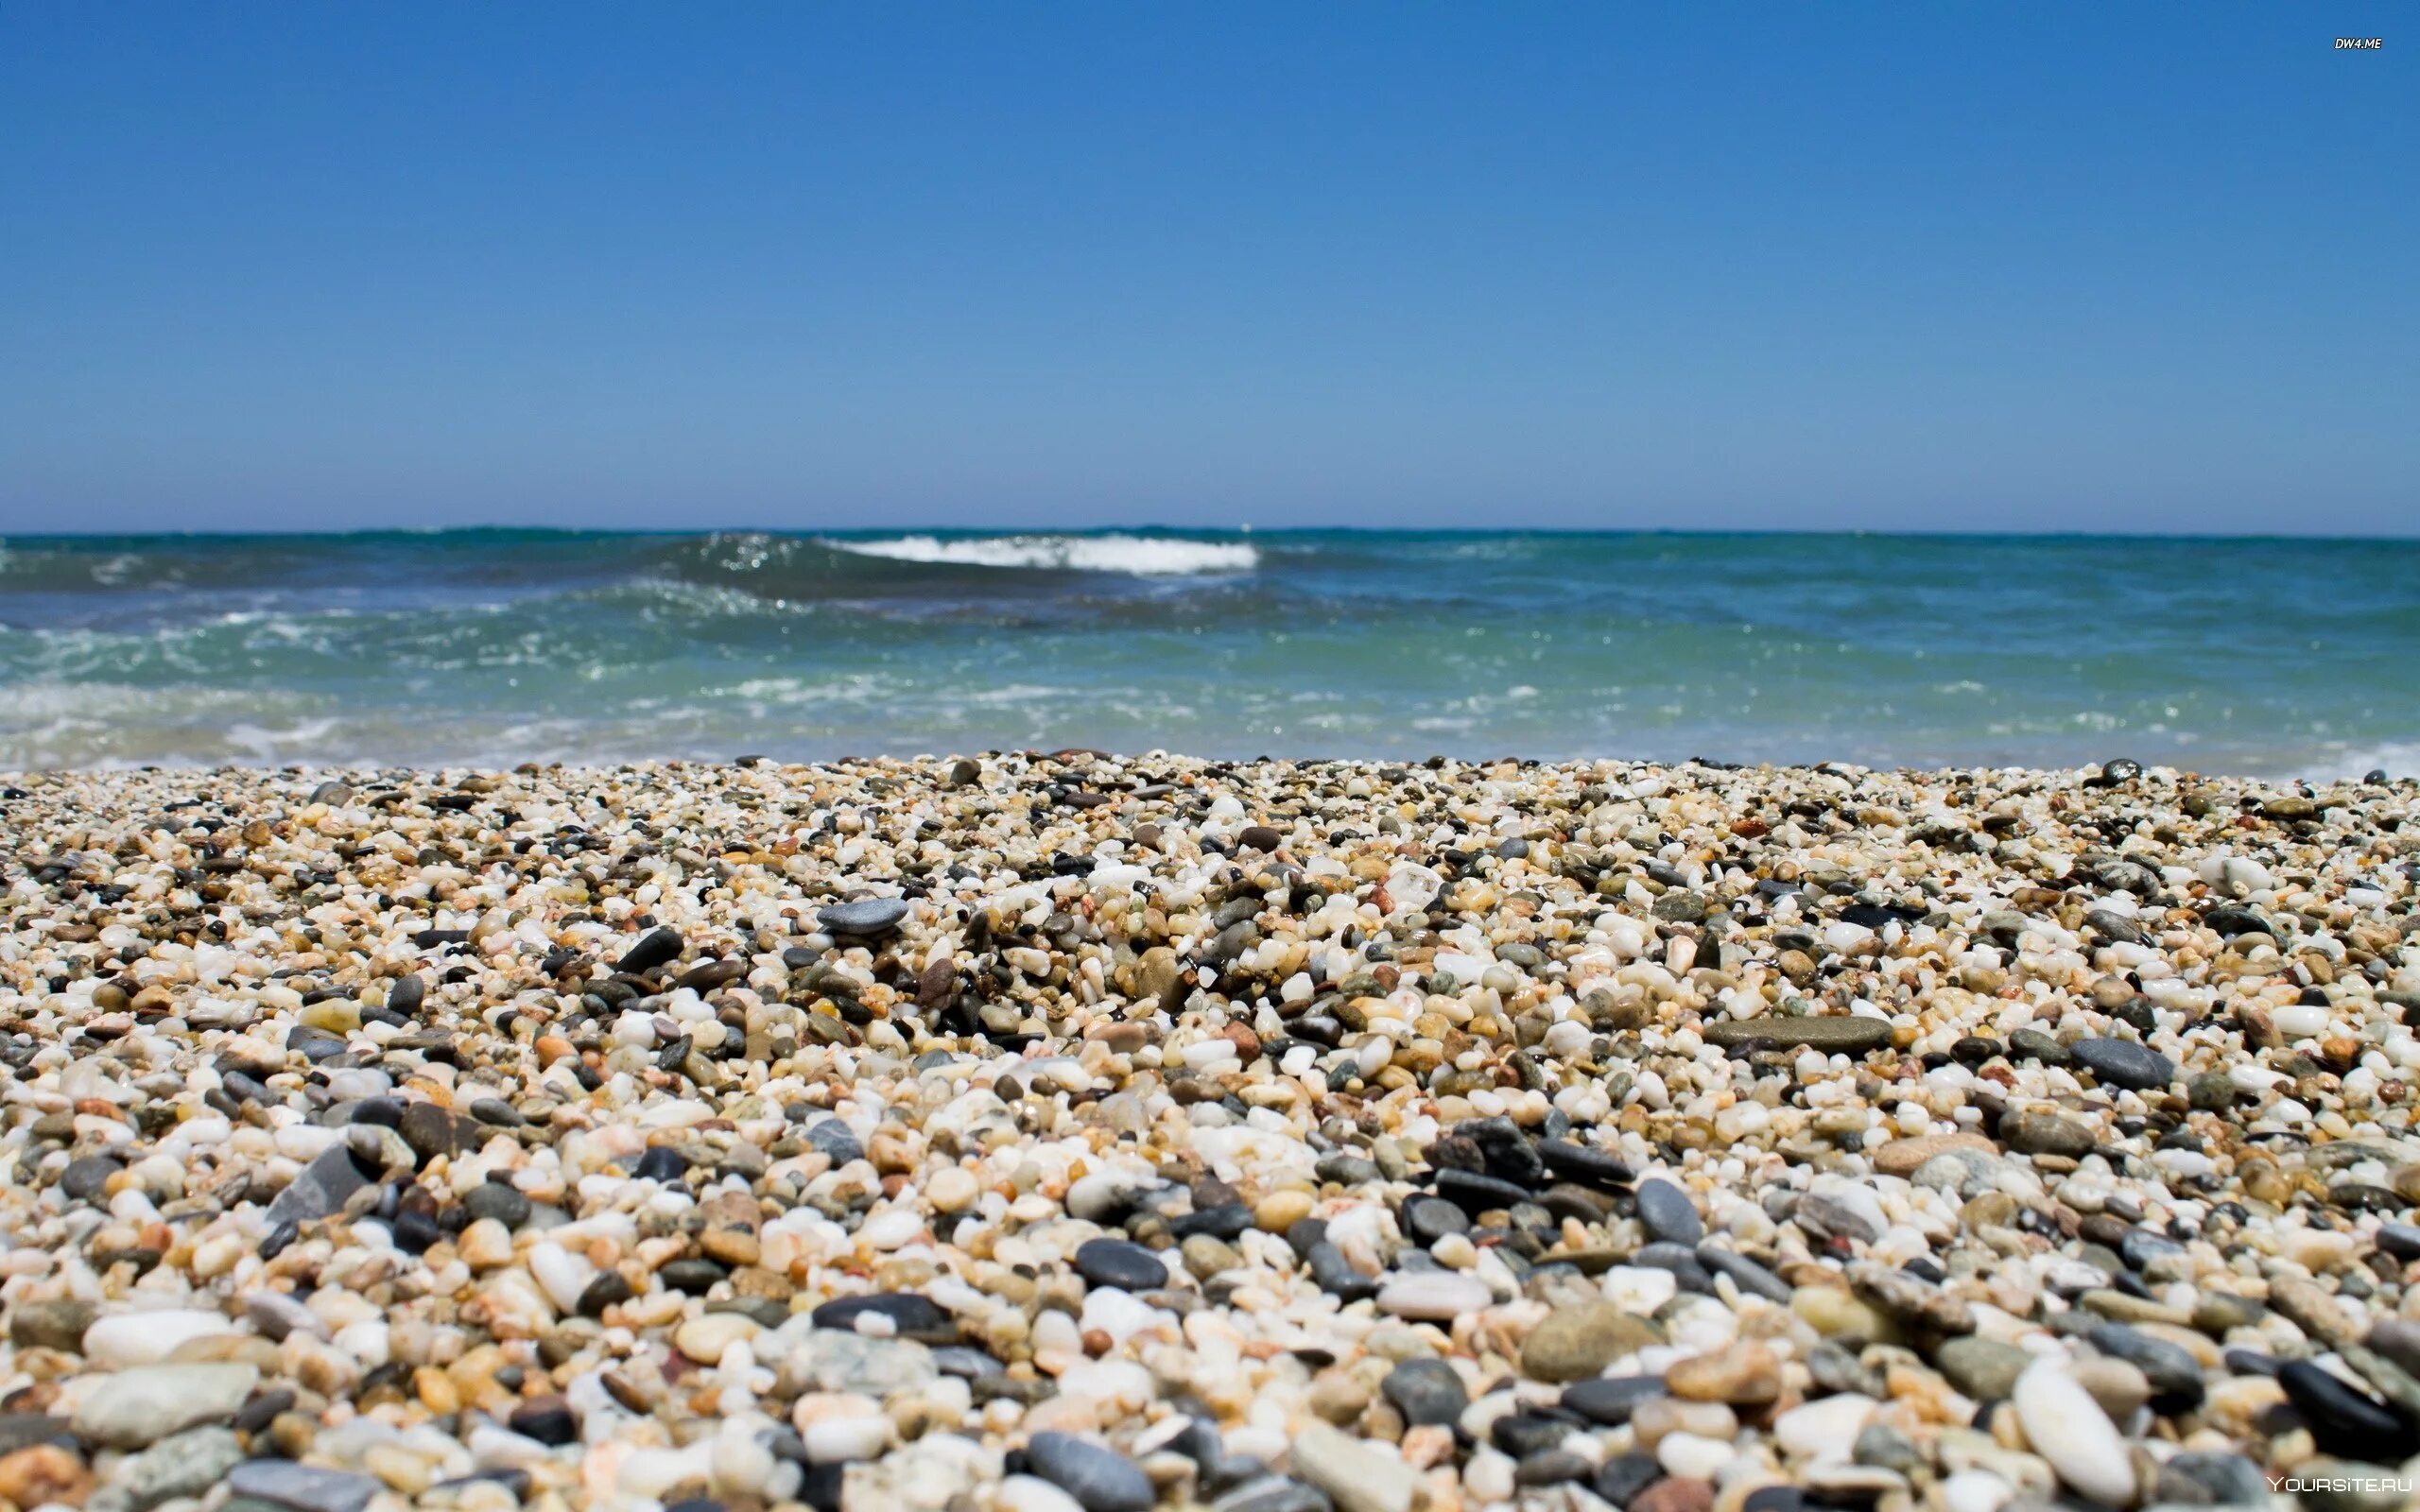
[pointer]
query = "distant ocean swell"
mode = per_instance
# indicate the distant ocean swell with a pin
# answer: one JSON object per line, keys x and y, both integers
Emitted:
{"x": 2270, "y": 657}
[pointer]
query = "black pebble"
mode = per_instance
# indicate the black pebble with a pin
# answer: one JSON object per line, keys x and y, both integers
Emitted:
{"x": 1427, "y": 1219}
{"x": 661, "y": 1163}
{"x": 547, "y": 1419}
{"x": 408, "y": 994}
{"x": 1609, "y": 1400}
{"x": 1121, "y": 1263}
{"x": 653, "y": 949}
{"x": 1625, "y": 1475}
{"x": 2346, "y": 1421}
{"x": 908, "y": 1311}
{"x": 820, "y": 1489}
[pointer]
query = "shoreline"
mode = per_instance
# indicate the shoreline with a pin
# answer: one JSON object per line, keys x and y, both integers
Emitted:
{"x": 1072, "y": 1131}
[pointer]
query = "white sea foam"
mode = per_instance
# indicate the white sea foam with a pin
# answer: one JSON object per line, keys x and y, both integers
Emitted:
{"x": 2344, "y": 762}
{"x": 1138, "y": 556}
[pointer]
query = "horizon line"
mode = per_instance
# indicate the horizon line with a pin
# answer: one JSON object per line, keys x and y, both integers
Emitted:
{"x": 1245, "y": 530}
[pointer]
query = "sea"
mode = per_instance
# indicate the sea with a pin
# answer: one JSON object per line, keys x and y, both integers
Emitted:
{"x": 2277, "y": 658}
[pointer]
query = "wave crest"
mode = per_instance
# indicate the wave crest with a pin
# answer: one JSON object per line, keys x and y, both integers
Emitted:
{"x": 1133, "y": 556}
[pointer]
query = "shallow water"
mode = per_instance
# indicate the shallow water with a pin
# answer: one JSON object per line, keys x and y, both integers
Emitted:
{"x": 2270, "y": 657}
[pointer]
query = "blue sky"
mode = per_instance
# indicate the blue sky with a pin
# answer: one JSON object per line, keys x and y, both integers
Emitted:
{"x": 1758, "y": 266}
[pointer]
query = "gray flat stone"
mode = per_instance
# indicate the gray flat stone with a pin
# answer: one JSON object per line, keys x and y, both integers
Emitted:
{"x": 303, "y": 1487}
{"x": 1834, "y": 1035}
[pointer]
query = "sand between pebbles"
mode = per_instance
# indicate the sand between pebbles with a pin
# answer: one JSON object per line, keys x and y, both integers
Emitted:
{"x": 1033, "y": 1132}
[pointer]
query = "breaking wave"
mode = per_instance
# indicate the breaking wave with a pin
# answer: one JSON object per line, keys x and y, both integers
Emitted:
{"x": 1134, "y": 556}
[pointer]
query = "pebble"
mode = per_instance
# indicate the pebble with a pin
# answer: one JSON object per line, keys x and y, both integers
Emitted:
{"x": 1984, "y": 1368}
{"x": 1426, "y": 1392}
{"x": 136, "y": 1407}
{"x": 1742, "y": 1373}
{"x": 1100, "y": 1479}
{"x": 873, "y": 916}
{"x": 44, "y": 1474}
{"x": 2344, "y": 1420}
{"x": 2069, "y": 1430}
{"x": 1621, "y": 1478}
{"x": 1433, "y": 1296}
{"x": 2033, "y": 1133}
{"x": 1841, "y": 1034}
{"x": 301, "y": 1487}
{"x": 1580, "y": 1340}
{"x": 1120, "y": 1264}
{"x": 323, "y": 1187}
{"x": 1357, "y": 1476}
{"x": 183, "y": 1465}
{"x": 1668, "y": 1214}
{"x": 2124, "y": 1063}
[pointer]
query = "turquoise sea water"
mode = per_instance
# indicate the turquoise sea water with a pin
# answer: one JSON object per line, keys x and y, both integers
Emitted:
{"x": 2270, "y": 657}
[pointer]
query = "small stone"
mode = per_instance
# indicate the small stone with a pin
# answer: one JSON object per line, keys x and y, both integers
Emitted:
{"x": 23, "y": 1430}
{"x": 1580, "y": 1164}
{"x": 2120, "y": 1388}
{"x": 869, "y": 917}
{"x": 1623, "y": 1477}
{"x": 1824, "y": 1428}
{"x": 1611, "y": 1400}
{"x": 183, "y": 1465}
{"x": 1579, "y": 1341}
{"x": 301, "y": 1487}
{"x": 2201, "y": 1477}
{"x": 1850, "y": 1035}
{"x": 1100, "y": 1478}
{"x": 1121, "y": 1263}
{"x": 2174, "y": 1376}
{"x": 835, "y": 1139}
{"x": 44, "y": 1473}
{"x": 1426, "y": 1219}
{"x": 661, "y": 1162}
{"x": 1835, "y": 1218}
{"x": 138, "y": 1407}
{"x": 429, "y": 1131}
{"x": 1668, "y": 1213}
{"x": 57, "y": 1323}
{"x": 1752, "y": 1279}
{"x": 652, "y": 949}
{"x": 321, "y": 1189}
{"x": 1359, "y": 1476}
{"x": 87, "y": 1175}
{"x": 2346, "y": 1421}
{"x": 1433, "y": 1296}
{"x": 1904, "y": 1158}
{"x": 2032, "y": 1044}
{"x": 1273, "y": 1493}
{"x": 831, "y": 1360}
{"x": 1910, "y": 1300}
{"x": 1885, "y": 1447}
{"x": 1279, "y": 1211}
{"x": 1742, "y": 1373}
{"x": 547, "y": 1419}
{"x": 2069, "y": 1428}
{"x": 2124, "y": 1063}
{"x": 1675, "y": 1493}
{"x": 903, "y": 1312}
{"x": 706, "y": 1339}
{"x": 498, "y": 1200}
{"x": 1426, "y": 1392}
{"x": 2047, "y": 1134}
{"x": 1986, "y": 1369}
{"x": 1336, "y": 1275}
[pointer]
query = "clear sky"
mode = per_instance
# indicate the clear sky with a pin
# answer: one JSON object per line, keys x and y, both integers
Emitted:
{"x": 2066, "y": 266}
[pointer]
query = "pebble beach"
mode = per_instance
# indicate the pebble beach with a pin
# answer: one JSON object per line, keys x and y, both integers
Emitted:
{"x": 1074, "y": 1133}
